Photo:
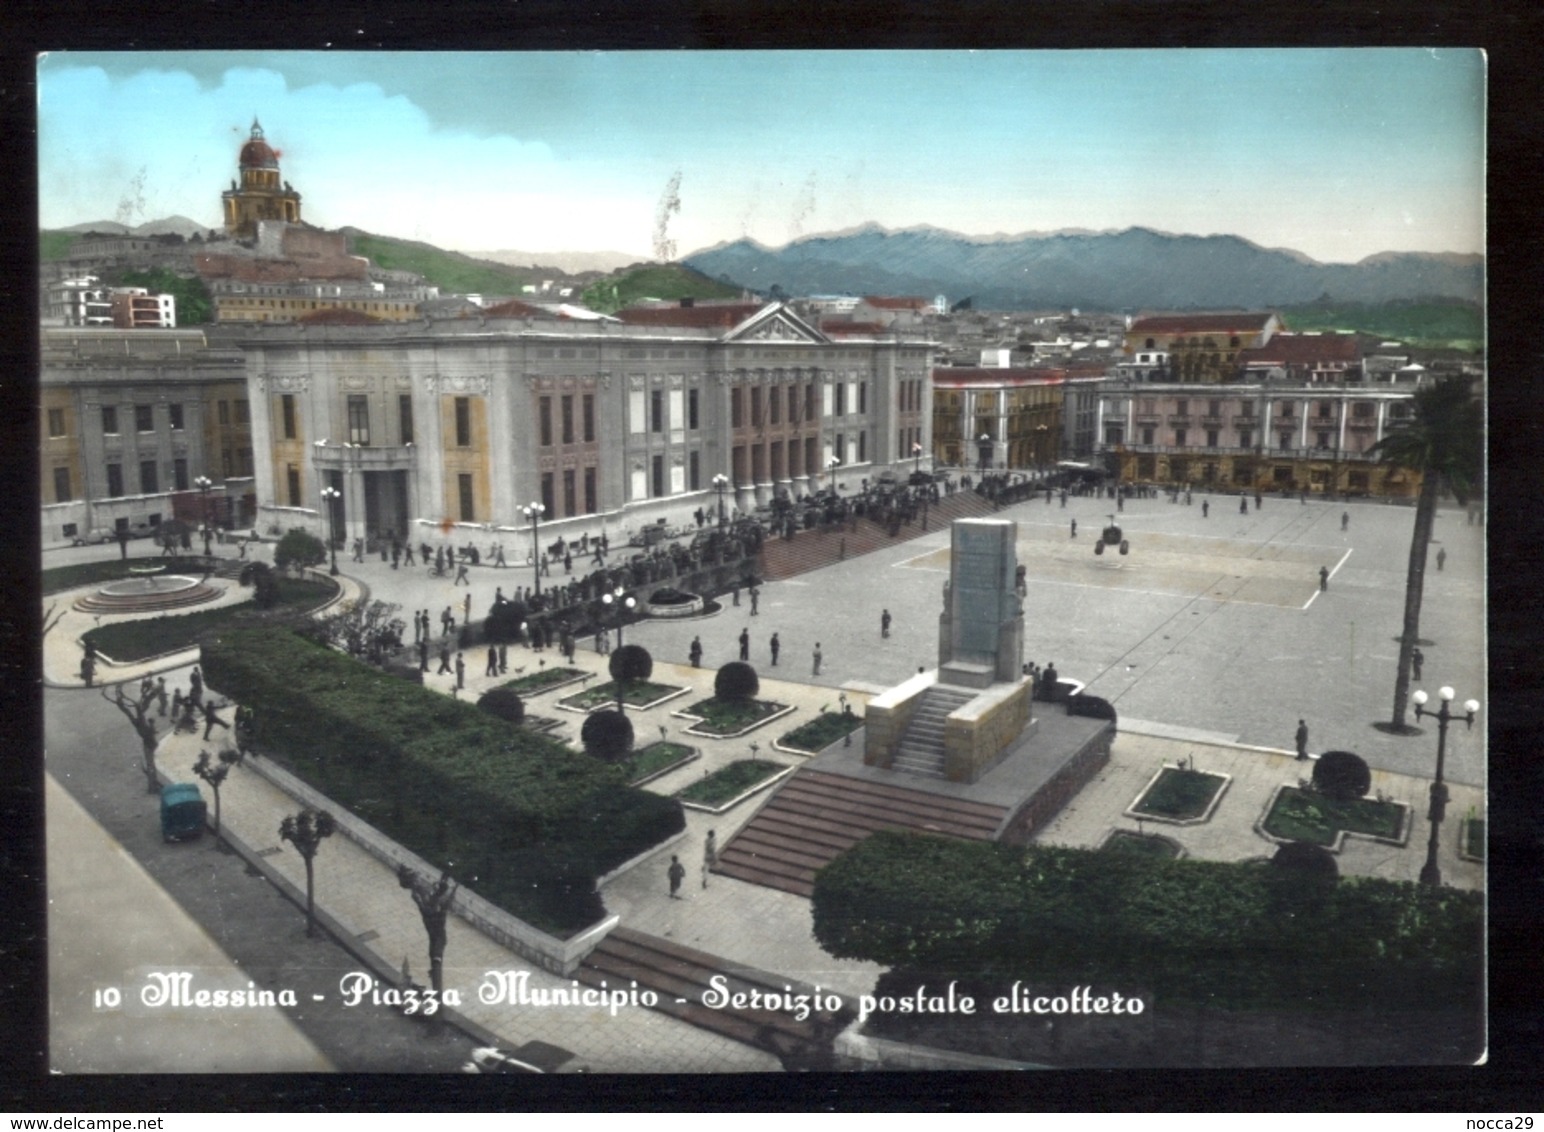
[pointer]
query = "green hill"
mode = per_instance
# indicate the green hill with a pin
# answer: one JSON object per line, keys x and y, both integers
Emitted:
{"x": 653, "y": 281}
{"x": 55, "y": 245}
{"x": 452, "y": 272}
{"x": 1435, "y": 324}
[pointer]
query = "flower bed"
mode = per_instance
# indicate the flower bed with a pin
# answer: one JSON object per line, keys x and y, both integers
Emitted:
{"x": 726, "y": 719}
{"x": 731, "y": 784}
{"x": 1301, "y": 815}
{"x": 544, "y": 680}
{"x": 819, "y": 733}
{"x": 1179, "y": 795}
{"x": 641, "y": 695}
{"x": 655, "y": 760}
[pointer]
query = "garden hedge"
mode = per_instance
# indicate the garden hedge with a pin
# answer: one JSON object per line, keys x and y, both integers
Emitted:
{"x": 529, "y": 823}
{"x": 1229, "y": 934}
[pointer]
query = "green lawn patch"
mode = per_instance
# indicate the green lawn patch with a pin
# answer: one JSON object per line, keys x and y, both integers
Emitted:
{"x": 1140, "y": 844}
{"x": 654, "y": 760}
{"x": 730, "y": 782}
{"x": 1180, "y": 795}
{"x": 1301, "y": 815}
{"x": 724, "y": 718}
{"x": 136, "y": 640}
{"x": 542, "y": 679}
{"x": 640, "y": 694}
{"x": 113, "y": 570}
{"x": 820, "y": 732}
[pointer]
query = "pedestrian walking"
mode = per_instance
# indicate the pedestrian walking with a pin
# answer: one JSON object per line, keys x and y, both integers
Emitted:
{"x": 160, "y": 693}
{"x": 884, "y": 623}
{"x": 493, "y": 661}
{"x": 676, "y": 873}
{"x": 1074, "y": 528}
{"x": 745, "y": 644}
{"x": 695, "y": 652}
{"x": 1302, "y": 739}
{"x": 775, "y": 646}
{"x": 503, "y": 658}
{"x": 461, "y": 576}
{"x": 1206, "y": 508}
{"x": 1417, "y": 659}
{"x": 466, "y": 606}
{"x": 709, "y": 856}
{"x": 498, "y": 557}
{"x": 196, "y": 687}
{"x": 444, "y": 667}
{"x": 755, "y": 598}
{"x": 1257, "y": 498}
{"x": 87, "y": 669}
{"x": 817, "y": 658}
{"x": 1324, "y": 578}
{"x": 736, "y": 592}
{"x": 1243, "y": 505}
{"x": 407, "y": 555}
{"x": 423, "y": 656}
{"x": 1441, "y": 558}
{"x": 212, "y": 720}
{"x": 1345, "y": 519}
{"x": 460, "y": 673}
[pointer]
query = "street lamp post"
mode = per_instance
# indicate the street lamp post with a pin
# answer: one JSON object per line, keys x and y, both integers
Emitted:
{"x": 831, "y": 465}
{"x": 534, "y": 512}
{"x": 1431, "y": 874}
{"x": 916, "y": 450}
{"x": 330, "y": 497}
{"x": 624, "y": 605}
{"x": 204, "y": 483}
{"x": 720, "y": 485}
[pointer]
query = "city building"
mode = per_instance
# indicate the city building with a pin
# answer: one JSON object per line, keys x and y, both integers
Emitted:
{"x": 131, "y": 419}
{"x": 997, "y": 417}
{"x": 135, "y": 308}
{"x": 470, "y": 420}
{"x": 1201, "y": 348}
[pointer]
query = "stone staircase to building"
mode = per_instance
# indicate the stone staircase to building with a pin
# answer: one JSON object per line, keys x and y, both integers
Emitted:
{"x": 681, "y": 975}
{"x": 921, "y": 749}
{"x": 812, "y": 549}
{"x": 815, "y": 816}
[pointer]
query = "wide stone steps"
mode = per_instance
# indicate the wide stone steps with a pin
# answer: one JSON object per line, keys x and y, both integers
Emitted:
{"x": 921, "y": 749}
{"x": 815, "y": 816}
{"x": 813, "y": 549}
{"x": 682, "y": 975}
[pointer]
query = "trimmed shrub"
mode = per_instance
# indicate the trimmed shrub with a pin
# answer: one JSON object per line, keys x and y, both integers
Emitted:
{"x": 736, "y": 681}
{"x": 503, "y": 703}
{"x": 265, "y": 587}
{"x": 631, "y": 662}
{"x": 1342, "y": 775}
{"x": 1306, "y": 859}
{"x": 299, "y": 548}
{"x": 1091, "y": 706}
{"x": 607, "y": 735}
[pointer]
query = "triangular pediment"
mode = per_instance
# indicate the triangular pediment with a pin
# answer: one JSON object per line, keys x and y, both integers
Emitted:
{"x": 775, "y": 322}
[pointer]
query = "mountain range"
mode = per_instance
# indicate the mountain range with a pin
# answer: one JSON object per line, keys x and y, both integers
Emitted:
{"x": 167, "y": 225}
{"x": 1136, "y": 268}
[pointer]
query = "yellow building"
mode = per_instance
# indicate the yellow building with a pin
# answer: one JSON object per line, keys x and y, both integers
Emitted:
{"x": 260, "y": 195}
{"x": 1015, "y": 415}
{"x": 1202, "y": 348}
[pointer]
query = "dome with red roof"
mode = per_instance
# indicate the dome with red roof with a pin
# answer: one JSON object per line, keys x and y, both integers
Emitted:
{"x": 257, "y": 153}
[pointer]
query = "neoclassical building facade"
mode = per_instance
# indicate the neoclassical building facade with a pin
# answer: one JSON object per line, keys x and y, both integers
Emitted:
{"x": 468, "y": 421}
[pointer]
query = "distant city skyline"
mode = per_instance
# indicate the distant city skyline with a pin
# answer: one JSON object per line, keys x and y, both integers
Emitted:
{"x": 1337, "y": 154}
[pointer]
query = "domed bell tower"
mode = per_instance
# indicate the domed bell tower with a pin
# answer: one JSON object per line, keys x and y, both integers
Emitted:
{"x": 260, "y": 195}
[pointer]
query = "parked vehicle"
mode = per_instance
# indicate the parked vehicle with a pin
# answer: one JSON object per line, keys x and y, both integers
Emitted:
{"x": 488, "y": 1059}
{"x": 183, "y": 812}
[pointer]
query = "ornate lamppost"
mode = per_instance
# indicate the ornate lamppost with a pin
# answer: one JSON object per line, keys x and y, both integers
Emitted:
{"x": 916, "y": 451}
{"x": 1430, "y": 873}
{"x": 624, "y": 605}
{"x": 831, "y": 465}
{"x": 720, "y": 485}
{"x": 534, "y": 512}
{"x": 330, "y": 498}
{"x": 204, "y": 483}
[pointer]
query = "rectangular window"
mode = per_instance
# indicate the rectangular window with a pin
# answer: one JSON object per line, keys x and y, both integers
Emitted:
{"x": 1286, "y": 441}
{"x": 570, "y": 493}
{"x": 862, "y": 396}
{"x": 544, "y": 417}
{"x": 862, "y": 446}
{"x": 144, "y": 418}
{"x": 114, "y": 480}
{"x": 1211, "y": 438}
{"x": 227, "y": 469}
{"x": 55, "y": 422}
{"x": 174, "y": 412}
{"x": 1361, "y": 410}
{"x": 358, "y": 419}
{"x": 547, "y": 500}
{"x": 243, "y": 411}
{"x": 1214, "y": 408}
{"x": 658, "y": 476}
{"x": 179, "y": 474}
{"x": 110, "y": 420}
{"x": 147, "y": 477}
{"x": 568, "y": 422}
{"x": 287, "y": 413}
{"x": 405, "y": 418}
{"x": 841, "y": 398}
{"x": 225, "y": 412}
{"x": 1179, "y": 438}
{"x": 809, "y": 402}
{"x": 1245, "y": 438}
{"x": 464, "y": 490}
{"x": 1246, "y": 409}
{"x": 463, "y": 408}
{"x": 1286, "y": 409}
{"x": 62, "y": 485}
{"x": 691, "y": 409}
{"x": 243, "y": 461}
{"x": 590, "y": 503}
{"x": 1182, "y": 408}
{"x": 292, "y": 475}
{"x": 1324, "y": 409}
{"x": 693, "y": 472}
{"x": 657, "y": 411}
{"x": 756, "y": 407}
{"x": 736, "y": 407}
{"x": 1324, "y": 440}
{"x": 1147, "y": 436}
{"x": 589, "y": 420}
{"x": 774, "y": 405}
{"x": 839, "y": 447}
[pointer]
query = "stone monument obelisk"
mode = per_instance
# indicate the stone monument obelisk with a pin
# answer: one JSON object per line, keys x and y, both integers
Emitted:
{"x": 981, "y": 629}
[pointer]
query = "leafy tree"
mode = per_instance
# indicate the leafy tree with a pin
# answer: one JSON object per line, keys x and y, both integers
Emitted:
{"x": 299, "y": 549}
{"x": 607, "y": 735}
{"x": 213, "y": 772}
{"x": 306, "y": 831}
{"x": 504, "y": 703}
{"x": 1444, "y": 443}
{"x": 137, "y": 711}
{"x": 627, "y": 664}
{"x": 265, "y": 587}
{"x": 1342, "y": 775}
{"x": 736, "y": 681}
{"x": 365, "y": 629}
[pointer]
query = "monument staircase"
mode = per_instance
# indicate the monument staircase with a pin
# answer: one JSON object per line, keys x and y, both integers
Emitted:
{"x": 815, "y": 817}
{"x": 810, "y": 550}
{"x": 676, "y": 973}
{"x": 921, "y": 749}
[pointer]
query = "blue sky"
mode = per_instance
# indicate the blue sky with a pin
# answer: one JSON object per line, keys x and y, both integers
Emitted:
{"x": 1338, "y": 154}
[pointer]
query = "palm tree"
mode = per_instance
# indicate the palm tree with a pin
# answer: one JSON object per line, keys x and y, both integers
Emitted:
{"x": 1444, "y": 443}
